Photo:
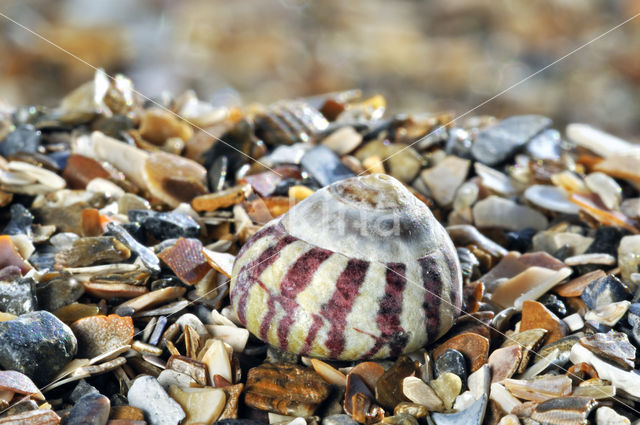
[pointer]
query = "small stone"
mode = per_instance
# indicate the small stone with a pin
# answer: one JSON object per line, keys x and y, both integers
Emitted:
{"x": 328, "y": 373}
{"x": 370, "y": 372}
{"x": 504, "y": 362}
{"x": 165, "y": 225}
{"x": 540, "y": 388}
{"x": 452, "y": 361}
{"x": 551, "y": 198}
{"x": 37, "y": 344}
{"x": 32, "y": 417}
{"x": 145, "y": 254}
{"x": 416, "y": 390}
{"x": 473, "y": 346}
{"x": 20, "y": 222}
{"x": 325, "y": 166}
{"x": 169, "y": 377}
{"x": 612, "y": 346}
{"x": 24, "y": 138}
{"x": 464, "y": 234}
{"x": 607, "y": 416}
{"x": 499, "y": 142}
{"x": 509, "y": 420}
{"x": 186, "y": 260}
{"x": 82, "y": 389}
{"x": 9, "y": 255}
{"x": 503, "y": 398}
{"x": 608, "y": 314}
{"x": 217, "y": 360}
{"x": 201, "y": 405}
{"x": 126, "y": 413}
{"x": 604, "y": 291}
{"x": 541, "y": 365}
{"x": 339, "y": 419}
{"x": 18, "y": 383}
{"x": 91, "y": 409}
{"x": 389, "y": 385}
{"x": 153, "y": 298}
{"x": 479, "y": 382}
{"x": 463, "y": 401}
{"x": 576, "y": 286}
{"x": 566, "y": 409}
{"x": 158, "y": 125}
{"x": 444, "y": 179}
{"x": 93, "y": 250}
{"x": 472, "y": 415}
{"x": 629, "y": 257}
{"x": 535, "y": 316}
{"x": 233, "y": 393}
{"x": 574, "y": 322}
{"x": 147, "y": 394}
{"x": 529, "y": 340}
{"x": 356, "y": 391}
{"x": 100, "y": 334}
{"x": 18, "y": 297}
{"x": 403, "y": 162}
{"x": 606, "y": 188}
{"x": 502, "y": 213}
{"x": 546, "y": 145}
{"x": 59, "y": 292}
{"x": 399, "y": 419}
{"x": 285, "y": 389}
{"x": 343, "y": 140}
{"x": 447, "y": 387}
{"x": 412, "y": 409}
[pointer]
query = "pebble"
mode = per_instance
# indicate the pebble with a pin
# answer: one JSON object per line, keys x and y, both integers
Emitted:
{"x": 629, "y": 257}
{"x": 540, "y": 388}
{"x": 452, "y": 361}
{"x": 403, "y": 162}
{"x": 606, "y": 188}
{"x": 551, "y": 198}
{"x": 529, "y": 340}
{"x": 24, "y": 138}
{"x": 608, "y": 314}
{"x": 502, "y": 213}
{"x": 20, "y": 222}
{"x": 201, "y": 405}
{"x": 445, "y": 178}
{"x": 472, "y": 415}
{"x": 416, "y": 390}
{"x": 612, "y": 346}
{"x": 447, "y": 387}
{"x": 604, "y": 291}
{"x": 145, "y": 254}
{"x": 147, "y": 394}
{"x": 473, "y": 346}
{"x": 325, "y": 166}
{"x": 18, "y": 297}
{"x": 91, "y": 409}
{"x": 535, "y": 315}
{"x": 100, "y": 334}
{"x": 37, "y": 344}
{"x": 607, "y": 416}
{"x": 497, "y": 143}
{"x": 343, "y": 140}
{"x": 565, "y": 409}
{"x": 388, "y": 388}
{"x": 32, "y": 417}
{"x": 165, "y": 225}
{"x": 59, "y": 292}
{"x": 504, "y": 362}
{"x": 285, "y": 389}
{"x": 416, "y": 410}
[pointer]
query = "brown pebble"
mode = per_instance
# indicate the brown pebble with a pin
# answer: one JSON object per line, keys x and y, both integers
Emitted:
{"x": 80, "y": 170}
{"x": 286, "y": 389}
{"x": 370, "y": 372}
{"x": 126, "y": 413}
{"x": 186, "y": 260}
{"x": 32, "y": 417}
{"x": 389, "y": 385}
{"x": 504, "y": 362}
{"x": 535, "y": 315}
{"x": 14, "y": 381}
{"x": 574, "y": 287}
{"x": 581, "y": 372}
{"x": 91, "y": 222}
{"x": 99, "y": 334}
{"x": 233, "y": 397}
{"x": 474, "y": 347}
{"x": 110, "y": 291}
{"x": 222, "y": 199}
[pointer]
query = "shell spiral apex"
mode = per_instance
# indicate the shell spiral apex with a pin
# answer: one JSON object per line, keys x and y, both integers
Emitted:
{"x": 361, "y": 269}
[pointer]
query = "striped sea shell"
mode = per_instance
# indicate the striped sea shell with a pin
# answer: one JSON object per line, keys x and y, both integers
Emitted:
{"x": 361, "y": 269}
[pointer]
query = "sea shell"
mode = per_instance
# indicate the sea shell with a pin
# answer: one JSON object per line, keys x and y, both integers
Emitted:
{"x": 360, "y": 269}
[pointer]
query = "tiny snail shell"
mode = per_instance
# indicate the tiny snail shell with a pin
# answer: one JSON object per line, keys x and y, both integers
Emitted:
{"x": 360, "y": 269}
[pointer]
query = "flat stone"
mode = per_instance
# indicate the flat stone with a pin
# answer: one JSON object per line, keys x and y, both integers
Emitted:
{"x": 165, "y": 225}
{"x": 100, "y": 334}
{"x": 444, "y": 179}
{"x": 82, "y": 389}
{"x": 343, "y": 140}
{"x": 504, "y": 362}
{"x": 146, "y": 255}
{"x": 325, "y": 166}
{"x": 473, "y": 346}
{"x": 464, "y": 234}
{"x": 339, "y": 419}
{"x": 147, "y": 394}
{"x": 416, "y": 390}
{"x": 472, "y": 415}
{"x": 18, "y": 297}
{"x": 370, "y": 372}
{"x": 529, "y": 340}
{"x": 186, "y": 260}
{"x": 355, "y": 390}
{"x": 20, "y": 222}
{"x": 612, "y": 346}
{"x": 37, "y": 344}
{"x": 537, "y": 316}
{"x": 91, "y": 409}
{"x": 576, "y": 286}
{"x": 447, "y": 387}
{"x": 389, "y": 385}
{"x": 216, "y": 358}
{"x": 452, "y": 361}
{"x": 607, "y": 416}
{"x": 629, "y": 257}
{"x": 552, "y": 198}
{"x": 19, "y": 383}
{"x": 570, "y": 409}
{"x": 59, "y": 292}
{"x": 153, "y": 298}
{"x": 608, "y": 314}
{"x": 546, "y": 145}
{"x": 169, "y": 377}
{"x": 499, "y": 142}
{"x": 496, "y": 212}
{"x": 32, "y": 417}
{"x": 126, "y": 413}
{"x": 540, "y": 388}
{"x": 603, "y": 291}
{"x": 402, "y": 161}
{"x": 285, "y": 389}
{"x": 201, "y": 405}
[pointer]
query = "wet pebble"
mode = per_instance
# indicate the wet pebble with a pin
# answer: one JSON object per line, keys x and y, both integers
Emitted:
{"x": 452, "y": 361}
{"x": 149, "y": 396}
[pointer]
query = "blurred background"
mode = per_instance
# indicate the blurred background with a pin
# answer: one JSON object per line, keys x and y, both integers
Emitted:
{"x": 423, "y": 56}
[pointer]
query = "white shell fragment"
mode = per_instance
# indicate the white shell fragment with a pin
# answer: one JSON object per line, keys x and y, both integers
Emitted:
{"x": 595, "y": 258}
{"x": 343, "y": 140}
{"x": 606, "y": 188}
{"x": 505, "y": 214}
{"x": 601, "y": 143}
{"x": 551, "y": 198}
{"x": 495, "y": 180}
{"x": 629, "y": 257}
{"x": 608, "y": 314}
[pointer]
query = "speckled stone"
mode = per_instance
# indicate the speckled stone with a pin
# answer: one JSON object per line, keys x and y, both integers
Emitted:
{"x": 37, "y": 344}
{"x": 158, "y": 408}
{"x": 91, "y": 409}
{"x": 18, "y": 297}
{"x": 100, "y": 334}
